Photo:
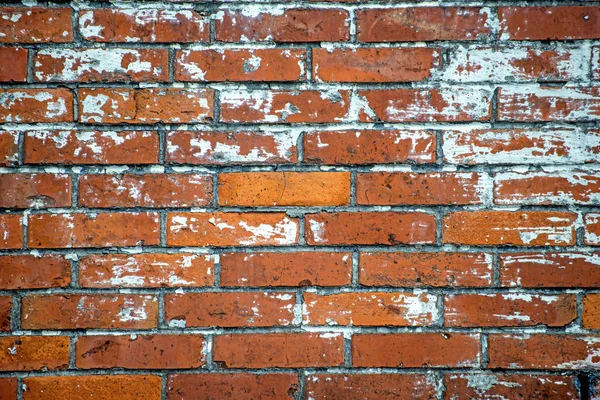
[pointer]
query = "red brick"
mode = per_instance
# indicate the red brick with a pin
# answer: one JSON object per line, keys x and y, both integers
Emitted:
{"x": 231, "y": 229}
{"x": 228, "y": 148}
{"x": 97, "y": 230}
{"x": 549, "y": 23}
{"x": 512, "y": 309}
{"x": 369, "y": 309}
{"x": 425, "y": 269}
{"x": 506, "y": 386}
{"x": 128, "y": 387}
{"x": 548, "y": 103}
{"x": 591, "y": 311}
{"x": 416, "y": 350}
{"x": 276, "y": 106}
{"x": 457, "y": 104}
{"x": 383, "y": 228}
{"x": 100, "y": 311}
{"x": 269, "y": 386}
{"x": 418, "y": 24}
{"x": 264, "y": 65}
{"x": 148, "y": 25}
{"x": 369, "y": 386}
{"x": 9, "y": 148}
{"x": 35, "y": 25}
{"x": 8, "y": 388}
{"x": 91, "y": 147}
{"x": 36, "y": 105}
{"x": 550, "y": 270}
{"x": 35, "y": 190}
{"x": 149, "y": 190}
{"x": 398, "y": 188}
{"x": 146, "y": 270}
{"x": 5, "y": 311}
{"x": 283, "y": 25}
{"x": 521, "y": 146}
{"x": 542, "y": 188}
{"x": 543, "y": 351}
{"x": 140, "y": 351}
{"x": 145, "y": 106}
{"x": 235, "y": 309}
{"x": 14, "y": 67}
{"x": 32, "y": 353}
{"x": 106, "y": 65}
{"x": 284, "y": 350}
{"x": 286, "y": 269}
{"x": 519, "y": 228}
{"x": 12, "y": 231}
{"x": 369, "y": 147}
{"x": 591, "y": 235}
{"x": 252, "y": 189}
{"x": 375, "y": 65}
{"x": 31, "y": 272}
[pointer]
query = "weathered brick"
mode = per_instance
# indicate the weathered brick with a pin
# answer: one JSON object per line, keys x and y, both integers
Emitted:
{"x": 146, "y": 270}
{"x": 140, "y": 351}
{"x": 285, "y": 269}
{"x": 227, "y": 148}
{"x": 97, "y": 230}
{"x": 282, "y": 25}
{"x": 81, "y": 387}
{"x": 543, "y": 188}
{"x": 383, "y": 228}
{"x": 231, "y": 229}
{"x": 521, "y": 146}
{"x": 591, "y": 311}
{"x": 145, "y": 106}
{"x": 369, "y": 309}
{"x": 8, "y": 388}
{"x": 596, "y": 63}
{"x": 5, "y": 313}
{"x": 425, "y": 269}
{"x": 397, "y": 188}
{"x": 513, "y": 309}
{"x": 269, "y": 386}
{"x": 550, "y": 269}
{"x": 35, "y": 25}
{"x": 497, "y": 386}
{"x": 276, "y": 106}
{"x": 543, "y": 351}
{"x": 591, "y": 235}
{"x": 36, "y": 105}
{"x": 106, "y": 65}
{"x": 35, "y": 190}
{"x": 145, "y": 25}
{"x": 12, "y": 231}
{"x": 284, "y": 350}
{"x": 235, "y": 309}
{"x": 419, "y": 24}
{"x": 91, "y": 147}
{"x": 375, "y": 65}
{"x": 369, "y": 386}
{"x": 415, "y": 350}
{"x": 76, "y": 311}
{"x": 252, "y": 189}
{"x": 369, "y": 147}
{"x": 549, "y": 23}
{"x": 456, "y": 104}
{"x": 31, "y": 272}
{"x": 149, "y": 190}
{"x": 9, "y": 148}
{"x": 526, "y": 228}
{"x": 264, "y": 65}
{"x": 33, "y": 353}
{"x": 15, "y": 70}
{"x": 548, "y": 103}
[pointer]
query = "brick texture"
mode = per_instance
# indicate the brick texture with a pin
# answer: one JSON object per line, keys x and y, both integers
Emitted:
{"x": 300, "y": 199}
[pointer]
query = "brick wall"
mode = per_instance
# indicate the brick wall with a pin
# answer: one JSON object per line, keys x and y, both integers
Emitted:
{"x": 300, "y": 200}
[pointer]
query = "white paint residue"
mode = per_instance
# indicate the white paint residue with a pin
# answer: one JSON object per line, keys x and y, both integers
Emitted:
{"x": 318, "y": 230}
{"x": 283, "y": 233}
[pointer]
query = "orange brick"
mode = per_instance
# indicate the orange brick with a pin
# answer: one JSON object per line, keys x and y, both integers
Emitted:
{"x": 5, "y": 312}
{"x": 35, "y": 190}
{"x": 15, "y": 70}
{"x": 9, "y": 148}
{"x": 591, "y": 234}
{"x": 33, "y": 353}
{"x": 591, "y": 311}
{"x": 35, "y": 25}
{"x": 31, "y": 272}
{"x": 36, "y": 105}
